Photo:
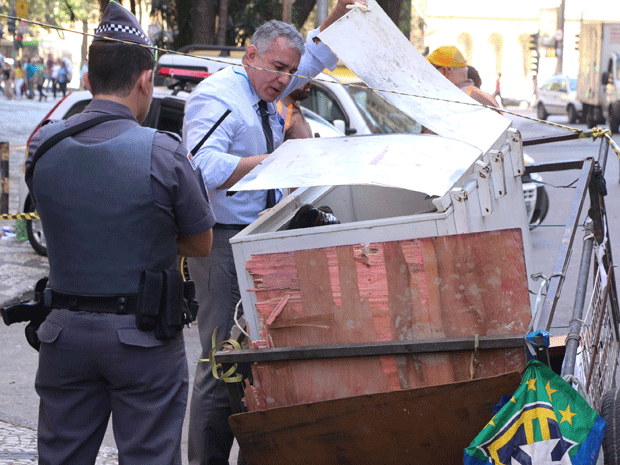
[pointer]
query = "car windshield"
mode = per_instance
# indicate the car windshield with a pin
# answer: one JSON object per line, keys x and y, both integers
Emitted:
{"x": 321, "y": 128}
{"x": 573, "y": 84}
{"x": 381, "y": 116}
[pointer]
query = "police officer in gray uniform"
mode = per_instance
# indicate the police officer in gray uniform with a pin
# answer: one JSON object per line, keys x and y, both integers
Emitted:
{"x": 115, "y": 199}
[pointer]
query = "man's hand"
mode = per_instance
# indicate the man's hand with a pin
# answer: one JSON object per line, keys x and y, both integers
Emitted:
{"x": 339, "y": 11}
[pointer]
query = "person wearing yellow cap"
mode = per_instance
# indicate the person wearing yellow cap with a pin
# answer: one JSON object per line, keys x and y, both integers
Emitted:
{"x": 450, "y": 62}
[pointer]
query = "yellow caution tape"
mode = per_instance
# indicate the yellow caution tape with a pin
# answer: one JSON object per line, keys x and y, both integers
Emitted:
{"x": 596, "y": 133}
{"x": 227, "y": 376}
{"x": 20, "y": 216}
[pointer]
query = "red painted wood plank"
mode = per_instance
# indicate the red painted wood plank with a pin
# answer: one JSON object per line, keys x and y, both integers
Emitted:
{"x": 450, "y": 286}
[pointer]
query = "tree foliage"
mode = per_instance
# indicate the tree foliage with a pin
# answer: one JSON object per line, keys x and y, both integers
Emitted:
{"x": 58, "y": 12}
{"x": 195, "y": 21}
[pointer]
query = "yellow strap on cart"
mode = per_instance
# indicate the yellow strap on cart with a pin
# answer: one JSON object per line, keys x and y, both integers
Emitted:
{"x": 227, "y": 377}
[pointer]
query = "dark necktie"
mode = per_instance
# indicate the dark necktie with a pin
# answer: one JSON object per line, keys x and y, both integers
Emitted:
{"x": 264, "y": 116}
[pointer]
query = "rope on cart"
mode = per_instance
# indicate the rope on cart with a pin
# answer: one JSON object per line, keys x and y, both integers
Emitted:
{"x": 474, "y": 357}
{"x": 578, "y": 386}
{"x": 19, "y": 216}
{"x": 596, "y": 133}
{"x": 229, "y": 376}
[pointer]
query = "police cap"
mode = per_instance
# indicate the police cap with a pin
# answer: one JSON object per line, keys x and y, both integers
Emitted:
{"x": 118, "y": 23}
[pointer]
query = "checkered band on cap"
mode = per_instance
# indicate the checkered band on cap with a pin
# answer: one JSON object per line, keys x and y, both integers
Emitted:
{"x": 109, "y": 27}
{"x": 118, "y": 23}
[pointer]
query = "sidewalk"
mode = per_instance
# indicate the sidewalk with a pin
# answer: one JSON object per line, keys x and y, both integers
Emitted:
{"x": 20, "y": 269}
{"x": 18, "y": 446}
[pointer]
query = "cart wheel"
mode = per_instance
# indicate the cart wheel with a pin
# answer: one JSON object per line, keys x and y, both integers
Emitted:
{"x": 610, "y": 412}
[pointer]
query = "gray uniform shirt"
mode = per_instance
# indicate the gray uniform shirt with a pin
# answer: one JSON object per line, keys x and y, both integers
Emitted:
{"x": 177, "y": 188}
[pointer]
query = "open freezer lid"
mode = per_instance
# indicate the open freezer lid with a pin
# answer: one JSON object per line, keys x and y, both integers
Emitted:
{"x": 417, "y": 162}
{"x": 369, "y": 44}
{"x": 372, "y": 47}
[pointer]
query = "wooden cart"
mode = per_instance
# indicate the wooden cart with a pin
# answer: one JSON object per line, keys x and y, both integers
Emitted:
{"x": 352, "y": 374}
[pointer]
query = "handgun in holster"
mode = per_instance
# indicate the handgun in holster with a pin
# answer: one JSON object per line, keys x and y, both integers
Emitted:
{"x": 33, "y": 311}
{"x": 166, "y": 303}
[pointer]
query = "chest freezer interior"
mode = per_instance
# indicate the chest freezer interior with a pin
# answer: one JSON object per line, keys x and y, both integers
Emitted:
{"x": 353, "y": 206}
{"x": 350, "y": 204}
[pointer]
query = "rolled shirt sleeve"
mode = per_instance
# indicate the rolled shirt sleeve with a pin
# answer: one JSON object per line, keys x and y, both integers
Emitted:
{"x": 316, "y": 58}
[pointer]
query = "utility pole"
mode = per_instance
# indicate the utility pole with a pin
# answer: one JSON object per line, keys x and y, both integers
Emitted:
{"x": 321, "y": 11}
{"x": 12, "y": 27}
{"x": 287, "y": 11}
{"x": 559, "y": 38}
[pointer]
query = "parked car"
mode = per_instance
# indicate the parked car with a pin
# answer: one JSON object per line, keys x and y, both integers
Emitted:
{"x": 558, "y": 96}
{"x": 350, "y": 110}
{"x": 355, "y": 109}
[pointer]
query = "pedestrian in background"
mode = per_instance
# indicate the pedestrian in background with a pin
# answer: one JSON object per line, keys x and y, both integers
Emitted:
{"x": 83, "y": 71}
{"x": 498, "y": 90}
{"x": 62, "y": 78}
{"x": 231, "y": 125}
{"x": 31, "y": 69}
{"x": 39, "y": 78}
{"x": 295, "y": 124}
{"x": 49, "y": 67}
{"x": 19, "y": 80}
{"x": 54, "y": 76}
{"x": 9, "y": 78}
{"x": 123, "y": 214}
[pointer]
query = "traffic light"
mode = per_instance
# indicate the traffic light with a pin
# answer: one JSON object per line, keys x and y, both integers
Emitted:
{"x": 18, "y": 41}
{"x": 534, "y": 42}
{"x": 533, "y": 46}
{"x": 11, "y": 26}
{"x": 535, "y": 61}
{"x": 576, "y": 41}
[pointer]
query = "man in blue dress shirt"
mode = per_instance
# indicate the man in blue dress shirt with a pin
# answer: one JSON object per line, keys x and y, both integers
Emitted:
{"x": 225, "y": 127}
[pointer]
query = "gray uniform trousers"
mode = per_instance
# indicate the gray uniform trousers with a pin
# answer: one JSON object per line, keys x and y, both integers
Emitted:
{"x": 217, "y": 291}
{"x": 94, "y": 364}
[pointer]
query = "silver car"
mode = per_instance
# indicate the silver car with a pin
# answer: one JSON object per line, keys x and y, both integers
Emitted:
{"x": 558, "y": 96}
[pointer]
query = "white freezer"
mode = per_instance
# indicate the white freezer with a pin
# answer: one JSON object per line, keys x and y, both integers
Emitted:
{"x": 466, "y": 178}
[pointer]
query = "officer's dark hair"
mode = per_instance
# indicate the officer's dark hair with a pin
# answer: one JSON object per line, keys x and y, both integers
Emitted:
{"x": 114, "y": 68}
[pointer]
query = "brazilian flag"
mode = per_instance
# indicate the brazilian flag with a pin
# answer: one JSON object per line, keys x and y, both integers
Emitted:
{"x": 545, "y": 422}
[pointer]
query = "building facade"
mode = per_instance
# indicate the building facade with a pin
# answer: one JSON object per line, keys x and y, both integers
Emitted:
{"x": 495, "y": 37}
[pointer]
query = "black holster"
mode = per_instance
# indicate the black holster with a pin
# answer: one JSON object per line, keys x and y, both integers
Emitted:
{"x": 33, "y": 311}
{"x": 166, "y": 303}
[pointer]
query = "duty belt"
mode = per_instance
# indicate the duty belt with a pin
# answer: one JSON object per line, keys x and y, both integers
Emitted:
{"x": 120, "y": 305}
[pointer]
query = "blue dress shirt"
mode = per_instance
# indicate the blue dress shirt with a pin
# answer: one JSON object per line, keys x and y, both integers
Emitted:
{"x": 240, "y": 134}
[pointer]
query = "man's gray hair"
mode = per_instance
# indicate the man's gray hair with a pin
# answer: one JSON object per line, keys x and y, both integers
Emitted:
{"x": 270, "y": 31}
